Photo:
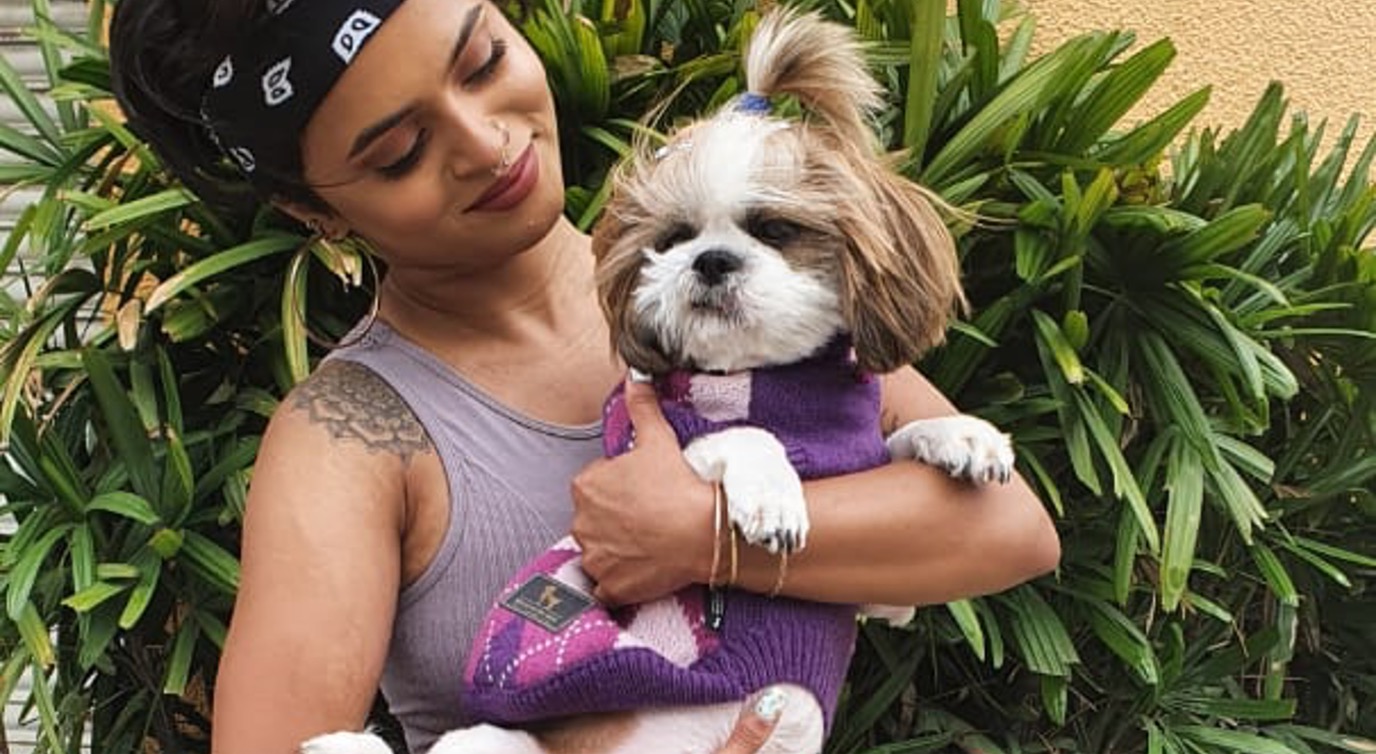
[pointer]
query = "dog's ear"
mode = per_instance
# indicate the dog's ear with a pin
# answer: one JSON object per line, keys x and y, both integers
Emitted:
{"x": 900, "y": 278}
{"x": 619, "y": 259}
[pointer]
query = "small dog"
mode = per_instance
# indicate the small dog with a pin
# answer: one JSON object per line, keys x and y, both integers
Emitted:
{"x": 763, "y": 272}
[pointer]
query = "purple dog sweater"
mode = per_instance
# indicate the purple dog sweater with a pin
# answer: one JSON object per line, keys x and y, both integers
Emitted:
{"x": 547, "y": 649}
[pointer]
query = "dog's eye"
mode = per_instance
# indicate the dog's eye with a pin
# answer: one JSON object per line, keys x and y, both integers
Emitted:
{"x": 773, "y": 231}
{"x": 676, "y": 235}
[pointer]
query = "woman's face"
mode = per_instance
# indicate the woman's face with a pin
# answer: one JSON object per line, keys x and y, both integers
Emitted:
{"x": 409, "y": 146}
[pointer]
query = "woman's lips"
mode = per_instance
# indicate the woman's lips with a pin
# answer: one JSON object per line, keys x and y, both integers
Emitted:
{"x": 513, "y": 187}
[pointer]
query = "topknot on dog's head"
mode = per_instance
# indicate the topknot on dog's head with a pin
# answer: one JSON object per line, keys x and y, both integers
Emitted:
{"x": 819, "y": 62}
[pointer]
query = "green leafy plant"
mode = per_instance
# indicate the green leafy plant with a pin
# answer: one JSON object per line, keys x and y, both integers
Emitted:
{"x": 1180, "y": 339}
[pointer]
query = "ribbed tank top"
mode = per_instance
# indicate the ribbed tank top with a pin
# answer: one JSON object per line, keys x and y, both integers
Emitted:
{"x": 508, "y": 477}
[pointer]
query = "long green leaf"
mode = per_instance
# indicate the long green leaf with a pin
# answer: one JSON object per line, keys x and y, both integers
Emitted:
{"x": 1345, "y": 742}
{"x": 1337, "y": 553}
{"x": 179, "y": 663}
{"x": 964, "y": 614}
{"x": 43, "y": 700}
{"x": 1124, "y": 481}
{"x": 1041, "y": 634}
{"x": 125, "y": 504}
{"x": 980, "y": 41}
{"x": 1125, "y": 640}
{"x": 93, "y": 596}
{"x": 1229, "y": 232}
{"x": 1275, "y": 574}
{"x": 1055, "y": 341}
{"x": 1185, "y": 483}
{"x": 47, "y": 35}
{"x": 1240, "y": 499}
{"x": 294, "y": 325}
{"x": 34, "y": 633}
{"x": 1240, "y": 709}
{"x": 26, "y": 570}
{"x": 149, "y": 565}
{"x": 23, "y": 145}
{"x": 222, "y": 262}
{"x": 138, "y": 209}
{"x": 924, "y": 68}
{"x": 218, "y": 567}
{"x": 122, "y": 423}
{"x": 1231, "y": 740}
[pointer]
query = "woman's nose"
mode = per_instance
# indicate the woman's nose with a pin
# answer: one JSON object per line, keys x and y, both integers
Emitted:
{"x": 477, "y": 144}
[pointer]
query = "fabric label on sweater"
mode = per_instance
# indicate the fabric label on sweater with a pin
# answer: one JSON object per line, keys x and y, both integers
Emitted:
{"x": 548, "y": 603}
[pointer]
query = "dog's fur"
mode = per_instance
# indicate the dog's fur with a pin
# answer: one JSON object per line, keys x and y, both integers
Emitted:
{"x": 871, "y": 254}
{"x": 749, "y": 241}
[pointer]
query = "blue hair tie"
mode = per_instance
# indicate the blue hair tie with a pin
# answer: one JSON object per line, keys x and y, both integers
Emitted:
{"x": 753, "y": 104}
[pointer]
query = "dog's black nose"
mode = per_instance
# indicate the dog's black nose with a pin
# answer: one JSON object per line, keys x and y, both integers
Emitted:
{"x": 713, "y": 265}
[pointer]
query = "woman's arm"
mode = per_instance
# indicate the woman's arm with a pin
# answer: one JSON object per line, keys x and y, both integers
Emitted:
{"x": 901, "y": 534}
{"x": 321, "y": 569}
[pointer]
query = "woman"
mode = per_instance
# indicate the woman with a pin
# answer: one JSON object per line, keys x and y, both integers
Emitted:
{"x": 402, "y": 483}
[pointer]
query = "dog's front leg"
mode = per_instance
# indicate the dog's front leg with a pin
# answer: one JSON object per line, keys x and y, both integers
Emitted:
{"x": 967, "y": 447}
{"x": 764, "y": 495}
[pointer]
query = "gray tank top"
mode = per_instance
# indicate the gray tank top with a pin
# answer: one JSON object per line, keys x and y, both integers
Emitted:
{"x": 508, "y": 477}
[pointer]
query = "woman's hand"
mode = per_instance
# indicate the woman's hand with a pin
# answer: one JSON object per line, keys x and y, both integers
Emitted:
{"x": 644, "y": 518}
{"x": 756, "y": 723}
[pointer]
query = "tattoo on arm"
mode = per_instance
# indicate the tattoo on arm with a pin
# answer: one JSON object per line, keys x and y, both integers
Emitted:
{"x": 353, "y": 403}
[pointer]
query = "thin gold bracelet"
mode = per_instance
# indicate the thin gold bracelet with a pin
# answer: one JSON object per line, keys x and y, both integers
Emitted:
{"x": 783, "y": 574}
{"x": 734, "y": 558}
{"x": 716, "y": 535}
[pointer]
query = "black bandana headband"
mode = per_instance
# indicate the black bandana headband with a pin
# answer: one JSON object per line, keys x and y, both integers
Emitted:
{"x": 261, "y": 96}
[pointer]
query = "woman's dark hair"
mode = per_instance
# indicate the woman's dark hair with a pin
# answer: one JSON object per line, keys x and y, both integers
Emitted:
{"x": 162, "y": 54}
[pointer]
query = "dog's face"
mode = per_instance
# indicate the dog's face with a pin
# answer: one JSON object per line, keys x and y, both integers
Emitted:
{"x": 750, "y": 242}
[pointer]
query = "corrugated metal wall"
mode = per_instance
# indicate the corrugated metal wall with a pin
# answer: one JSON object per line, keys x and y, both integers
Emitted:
{"x": 23, "y": 55}
{"x": 18, "y": 48}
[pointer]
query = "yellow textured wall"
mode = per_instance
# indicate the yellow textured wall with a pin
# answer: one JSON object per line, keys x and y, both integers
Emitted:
{"x": 1323, "y": 51}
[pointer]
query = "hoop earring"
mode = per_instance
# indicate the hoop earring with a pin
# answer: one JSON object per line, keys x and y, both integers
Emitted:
{"x": 343, "y": 262}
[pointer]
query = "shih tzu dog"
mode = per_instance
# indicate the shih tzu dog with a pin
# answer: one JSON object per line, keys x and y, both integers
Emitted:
{"x": 762, "y": 272}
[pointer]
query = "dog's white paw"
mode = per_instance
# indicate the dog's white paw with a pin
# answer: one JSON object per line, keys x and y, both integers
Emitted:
{"x": 967, "y": 447}
{"x": 346, "y": 742}
{"x": 486, "y": 739}
{"x": 764, "y": 495}
{"x": 767, "y": 506}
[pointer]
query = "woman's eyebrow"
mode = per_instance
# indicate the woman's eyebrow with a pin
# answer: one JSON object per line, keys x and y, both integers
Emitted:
{"x": 470, "y": 22}
{"x": 371, "y": 133}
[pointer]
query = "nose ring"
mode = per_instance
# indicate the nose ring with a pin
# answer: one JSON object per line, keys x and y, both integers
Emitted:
{"x": 503, "y": 151}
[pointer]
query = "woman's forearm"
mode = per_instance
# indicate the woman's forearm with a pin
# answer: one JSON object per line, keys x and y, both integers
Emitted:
{"x": 908, "y": 534}
{"x": 901, "y": 534}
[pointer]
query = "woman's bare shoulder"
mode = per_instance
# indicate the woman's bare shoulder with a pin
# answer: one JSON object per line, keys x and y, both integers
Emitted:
{"x": 352, "y": 408}
{"x": 341, "y": 443}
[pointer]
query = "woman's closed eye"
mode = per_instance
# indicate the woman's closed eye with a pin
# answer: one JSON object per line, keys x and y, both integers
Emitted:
{"x": 404, "y": 164}
{"x": 489, "y": 66}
